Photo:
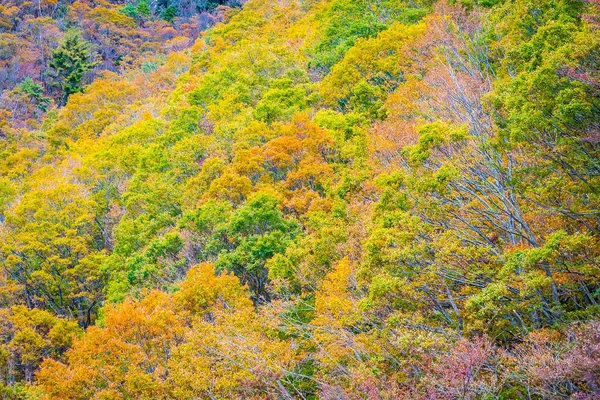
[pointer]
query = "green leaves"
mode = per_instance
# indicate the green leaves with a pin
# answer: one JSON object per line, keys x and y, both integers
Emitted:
{"x": 35, "y": 93}
{"x": 345, "y": 22}
{"x": 70, "y": 61}
{"x": 366, "y": 195}
{"x": 433, "y": 136}
{"x": 281, "y": 103}
{"x": 254, "y": 234}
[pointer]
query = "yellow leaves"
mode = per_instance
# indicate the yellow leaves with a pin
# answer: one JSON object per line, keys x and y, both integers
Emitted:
{"x": 230, "y": 187}
{"x": 29, "y": 344}
{"x": 49, "y": 230}
{"x": 88, "y": 114}
{"x": 111, "y": 16}
{"x": 336, "y": 311}
{"x": 63, "y": 333}
{"x": 31, "y": 334}
{"x": 334, "y": 304}
{"x": 7, "y": 15}
{"x": 65, "y": 204}
{"x": 249, "y": 162}
{"x": 202, "y": 291}
{"x": 140, "y": 134}
{"x": 230, "y": 354}
{"x": 369, "y": 59}
{"x": 20, "y": 163}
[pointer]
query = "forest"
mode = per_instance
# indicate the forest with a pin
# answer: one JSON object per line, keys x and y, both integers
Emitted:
{"x": 300, "y": 199}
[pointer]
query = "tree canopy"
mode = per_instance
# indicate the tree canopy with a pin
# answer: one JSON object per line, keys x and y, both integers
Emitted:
{"x": 325, "y": 199}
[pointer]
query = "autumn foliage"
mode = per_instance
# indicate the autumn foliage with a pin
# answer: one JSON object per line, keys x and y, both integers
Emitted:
{"x": 324, "y": 199}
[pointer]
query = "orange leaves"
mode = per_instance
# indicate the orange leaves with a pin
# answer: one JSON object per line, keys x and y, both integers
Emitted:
{"x": 388, "y": 137}
{"x": 205, "y": 340}
{"x": 283, "y": 152}
{"x": 230, "y": 187}
{"x": 146, "y": 323}
{"x": 312, "y": 174}
{"x": 301, "y": 155}
{"x": 298, "y": 158}
{"x": 303, "y": 200}
{"x": 128, "y": 357}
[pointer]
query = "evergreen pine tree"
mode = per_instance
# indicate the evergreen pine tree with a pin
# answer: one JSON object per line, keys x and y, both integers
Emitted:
{"x": 130, "y": 10}
{"x": 143, "y": 9}
{"x": 71, "y": 60}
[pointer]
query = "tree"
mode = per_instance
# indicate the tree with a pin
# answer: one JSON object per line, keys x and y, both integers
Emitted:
{"x": 254, "y": 234}
{"x": 48, "y": 249}
{"x": 70, "y": 61}
{"x": 29, "y": 335}
{"x": 205, "y": 341}
{"x": 143, "y": 9}
{"x": 35, "y": 93}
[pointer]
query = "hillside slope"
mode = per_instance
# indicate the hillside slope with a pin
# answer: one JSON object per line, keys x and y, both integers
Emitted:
{"x": 324, "y": 199}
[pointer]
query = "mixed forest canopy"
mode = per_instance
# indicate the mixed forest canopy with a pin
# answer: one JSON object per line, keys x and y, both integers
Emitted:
{"x": 300, "y": 199}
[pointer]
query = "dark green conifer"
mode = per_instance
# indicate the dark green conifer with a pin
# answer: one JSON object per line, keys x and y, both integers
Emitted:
{"x": 70, "y": 61}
